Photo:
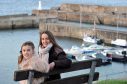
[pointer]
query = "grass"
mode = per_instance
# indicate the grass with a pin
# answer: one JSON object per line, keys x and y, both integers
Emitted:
{"x": 112, "y": 82}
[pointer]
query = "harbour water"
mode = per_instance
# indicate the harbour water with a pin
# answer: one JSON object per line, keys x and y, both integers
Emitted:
{"x": 10, "y": 43}
{"x": 11, "y": 40}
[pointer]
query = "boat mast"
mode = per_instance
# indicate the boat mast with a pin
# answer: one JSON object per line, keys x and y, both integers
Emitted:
{"x": 117, "y": 22}
{"x": 94, "y": 28}
{"x": 81, "y": 13}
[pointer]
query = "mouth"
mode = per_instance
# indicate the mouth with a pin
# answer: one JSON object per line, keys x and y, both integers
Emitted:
{"x": 45, "y": 45}
{"x": 26, "y": 56}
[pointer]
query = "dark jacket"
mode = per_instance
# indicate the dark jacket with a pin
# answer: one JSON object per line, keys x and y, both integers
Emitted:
{"x": 61, "y": 61}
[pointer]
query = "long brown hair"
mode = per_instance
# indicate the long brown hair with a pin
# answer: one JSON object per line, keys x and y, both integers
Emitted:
{"x": 51, "y": 38}
{"x": 29, "y": 43}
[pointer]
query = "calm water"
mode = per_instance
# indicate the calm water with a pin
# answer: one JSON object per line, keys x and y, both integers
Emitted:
{"x": 11, "y": 40}
{"x": 26, "y": 6}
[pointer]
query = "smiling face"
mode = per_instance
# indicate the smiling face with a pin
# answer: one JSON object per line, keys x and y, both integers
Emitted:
{"x": 27, "y": 52}
{"x": 45, "y": 40}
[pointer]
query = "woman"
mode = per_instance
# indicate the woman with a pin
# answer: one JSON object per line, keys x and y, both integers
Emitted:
{"x": 28, "y": 60}
{"x": 57, "y": 57}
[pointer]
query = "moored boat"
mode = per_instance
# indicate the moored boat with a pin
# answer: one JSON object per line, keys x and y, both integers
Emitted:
{"x": 118, "y": 54}
{"x": 106, "y": 59}
{"x": 119, "y": 42}
{"x": 118, "y": 58}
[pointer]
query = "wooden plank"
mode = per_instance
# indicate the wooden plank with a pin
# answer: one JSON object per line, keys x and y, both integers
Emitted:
{"x": 74, "y": 80}
{"x": 79, "y": 66}
{"x": 23, "y": 74}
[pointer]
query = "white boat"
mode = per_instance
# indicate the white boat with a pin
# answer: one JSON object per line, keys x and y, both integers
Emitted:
{"x": 94, "y": 47}
{"x": 75, "y": 50}
{"x": 106, "y": 58}
{"x": 90, "y": 39}
{"x": 76, "y": 53}
{"x": 118, "y": 54}
{"x": 119, "y": 42}
{"x": 83, "y": 57}
{"x": 93, "y": 38}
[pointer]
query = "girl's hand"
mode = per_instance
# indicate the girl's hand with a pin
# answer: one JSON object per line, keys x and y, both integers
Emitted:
{"x": 51, "y": 65}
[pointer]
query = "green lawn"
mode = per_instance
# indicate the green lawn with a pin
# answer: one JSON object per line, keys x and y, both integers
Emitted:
{"x": 112, "y": 82}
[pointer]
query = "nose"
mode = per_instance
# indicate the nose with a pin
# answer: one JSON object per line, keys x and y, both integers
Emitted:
{"x": 44, "y": 41}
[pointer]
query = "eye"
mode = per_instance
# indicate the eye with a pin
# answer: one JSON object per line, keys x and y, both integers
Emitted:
{"x": 47, "y": 38}
{"x": 42, "y": 38}
{"x": 28, "y": 50}
{"x": 23, "y": 50}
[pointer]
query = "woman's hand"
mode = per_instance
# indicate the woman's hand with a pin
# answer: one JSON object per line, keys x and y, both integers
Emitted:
{"x": 51, "y": 65}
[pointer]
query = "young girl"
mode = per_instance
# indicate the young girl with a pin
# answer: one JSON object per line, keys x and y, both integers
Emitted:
{"x": 28, "y": 60}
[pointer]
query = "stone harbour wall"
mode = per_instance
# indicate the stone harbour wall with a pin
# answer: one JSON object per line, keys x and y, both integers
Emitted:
{"x": 106, "y": 15}
{"x": 75, "y": 31}
{"x": 18, "y": 21}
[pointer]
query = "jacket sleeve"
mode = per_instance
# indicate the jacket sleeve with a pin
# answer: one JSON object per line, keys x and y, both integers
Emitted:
{"x": 62, "y": 61}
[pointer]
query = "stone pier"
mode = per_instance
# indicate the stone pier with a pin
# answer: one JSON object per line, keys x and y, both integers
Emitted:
{"x": 105, "y": 15}
{"x": 72, "y": 29}
{"x": 19, "y": 21}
